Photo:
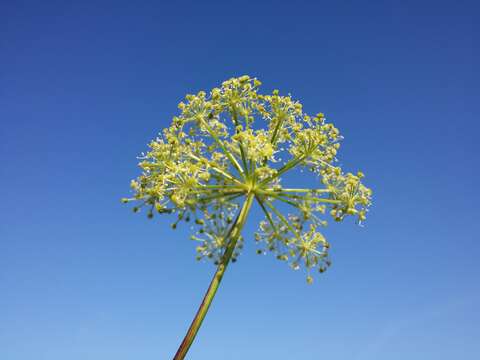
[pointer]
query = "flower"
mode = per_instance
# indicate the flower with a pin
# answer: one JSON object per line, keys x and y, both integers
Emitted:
{"x": 234, "y": 142}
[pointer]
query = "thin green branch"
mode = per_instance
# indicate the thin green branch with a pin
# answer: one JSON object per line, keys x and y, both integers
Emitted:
{"x": 219, "y": 187}
{"x": 278, "y": 125}
{"x": 317, "y": 191}
{"x": 312, "y": 199}
{"x": 242, "y": 150}
{"x": 219, "y": 195}
{"x": 294, "y": 204}
{"x": 289, "y": 165}
{"x": 282, "y": 218}
{"x": 267, "y": 214}
{"x": 224, "y": 149}
{"x": 218, "y": 170}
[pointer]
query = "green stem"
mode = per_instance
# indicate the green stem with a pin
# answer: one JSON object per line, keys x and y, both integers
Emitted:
{"x": 306, "y": 198}
{"x": 242, "y": 150}
{"x": 220, "y": 171}
{"x": 220, "y": 195}
{"x": 282, "y": 219}
{"x": 224, "y": 149}
{"x": 267, "y": 214}
{"x": 316, "y": 191}
{"x": 292, "y": 163}
{"x": 233, "y": 234}
{"x": 275, "y": 131}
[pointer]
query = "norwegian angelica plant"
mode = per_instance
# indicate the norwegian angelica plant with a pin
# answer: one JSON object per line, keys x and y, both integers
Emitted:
{"x": 230, "y": 148}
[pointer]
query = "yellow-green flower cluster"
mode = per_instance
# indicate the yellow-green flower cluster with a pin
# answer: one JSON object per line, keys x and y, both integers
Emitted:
{"x": 213, "y": 232}
{"x": 353, "y": 197}
{"x": 234, "y": 142}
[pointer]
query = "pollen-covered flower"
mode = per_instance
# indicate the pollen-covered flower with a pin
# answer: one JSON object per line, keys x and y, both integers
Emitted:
{"x": 231, "y": 146}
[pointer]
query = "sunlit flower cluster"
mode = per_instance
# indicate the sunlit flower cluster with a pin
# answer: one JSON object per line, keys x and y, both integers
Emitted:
{"x": 234, "y": 143}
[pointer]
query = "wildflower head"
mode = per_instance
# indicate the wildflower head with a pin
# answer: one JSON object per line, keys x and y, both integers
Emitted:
{"x": 233, "y": 142}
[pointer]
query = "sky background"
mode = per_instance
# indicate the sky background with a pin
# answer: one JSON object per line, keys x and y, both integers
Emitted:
{"x": 84, "y": 86}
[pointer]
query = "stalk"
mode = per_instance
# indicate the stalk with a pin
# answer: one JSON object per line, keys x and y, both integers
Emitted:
{"x": 233, "y": 234}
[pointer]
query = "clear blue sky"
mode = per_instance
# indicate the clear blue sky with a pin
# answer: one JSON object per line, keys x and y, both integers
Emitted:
{"x": 85, "y": 85}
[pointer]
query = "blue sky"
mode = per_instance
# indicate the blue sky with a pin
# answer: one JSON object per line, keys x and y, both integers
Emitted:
{"x": 85, "y": 85}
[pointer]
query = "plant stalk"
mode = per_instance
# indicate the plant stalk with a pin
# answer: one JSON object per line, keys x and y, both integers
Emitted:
{"x": 233, "y": 234}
